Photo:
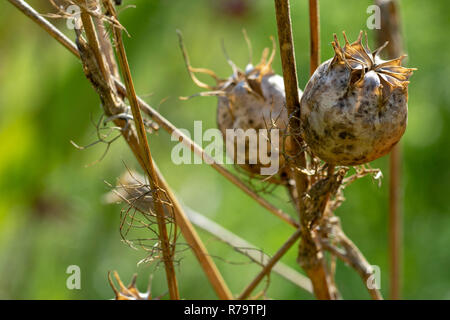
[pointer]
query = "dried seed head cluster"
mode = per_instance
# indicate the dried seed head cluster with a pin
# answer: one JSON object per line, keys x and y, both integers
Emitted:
{"x": 354, "y": 107}
{"x": 253, "y": 98}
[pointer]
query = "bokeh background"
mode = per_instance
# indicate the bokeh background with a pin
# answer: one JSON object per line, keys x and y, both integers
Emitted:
{"x": 51, "y": 209}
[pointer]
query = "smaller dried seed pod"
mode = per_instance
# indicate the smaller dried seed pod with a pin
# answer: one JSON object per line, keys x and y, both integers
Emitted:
{"x": 354, "y": 107}
{"x": 250, "y": 99}
{"x": 129, "y": 292}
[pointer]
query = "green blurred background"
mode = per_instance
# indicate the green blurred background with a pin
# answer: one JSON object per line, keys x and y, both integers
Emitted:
{"x": 51, "y": 209}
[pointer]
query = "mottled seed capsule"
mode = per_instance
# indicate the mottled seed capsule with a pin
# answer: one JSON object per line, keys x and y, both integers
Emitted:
{"x": 251, "y": 99}
{"x": 354, "y": 107}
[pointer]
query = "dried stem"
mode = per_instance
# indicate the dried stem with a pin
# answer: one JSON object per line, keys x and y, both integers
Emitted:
{"x": 158, "y": 118}
{"x": 92, "y": 37}
{"x": 291, "y": 88}
{"x": 196, "y": 244}
{"x": 395, "y": 222}
{"x": 314, "y": 28}
{"x": 167, "y": 248}
{"x": 315, "y": 267}
{"x": 268, "y": 267}
{"x": 247, "y": 249}
{"x": 348, "y": 253}
{"x": 391, "y": 31}
{"x": 106, "y": 47}
{"x": 329, "y": 234}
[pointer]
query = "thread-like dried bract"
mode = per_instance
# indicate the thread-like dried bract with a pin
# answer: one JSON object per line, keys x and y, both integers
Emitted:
{"x": 354, "y": 107}
{"x": 250, "y": 99}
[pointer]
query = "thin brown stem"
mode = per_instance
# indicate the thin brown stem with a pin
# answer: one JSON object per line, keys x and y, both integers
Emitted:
{"x": 158, "y": 118}
{"x": 148, "y": 160}
{"x": 395, "y": 222}
{"x": 268, "y": 267}
{"x": 92, "y": 37}
{"x": 247, "y": 249}
{"x": 314, "y": 28}
{"x": 106, "y": 47}
{"x": 194, "y": 241}
{"x": 315, "y": 267}
{"x": 391, "y": 31}
{"x": 291, "y": 89}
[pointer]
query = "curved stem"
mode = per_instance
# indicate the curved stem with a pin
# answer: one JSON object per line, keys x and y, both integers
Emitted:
{"x": 270, "y": 264}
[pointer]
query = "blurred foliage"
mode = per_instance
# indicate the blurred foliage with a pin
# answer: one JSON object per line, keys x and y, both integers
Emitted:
{"x": 51, "y": 209}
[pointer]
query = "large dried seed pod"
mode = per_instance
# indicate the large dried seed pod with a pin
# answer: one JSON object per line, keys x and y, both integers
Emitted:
{"x": 354, "y": 107}
{"x": 250, "y": 99}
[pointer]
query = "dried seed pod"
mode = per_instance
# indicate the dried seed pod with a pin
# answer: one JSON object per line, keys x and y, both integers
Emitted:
{"x": 354, "y": 107}
{"x": 133, "y": 189}
{"x": 250, "y": 99}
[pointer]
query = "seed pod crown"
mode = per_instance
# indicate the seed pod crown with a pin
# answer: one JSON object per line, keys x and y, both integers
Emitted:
{"x": 360, "y": 60}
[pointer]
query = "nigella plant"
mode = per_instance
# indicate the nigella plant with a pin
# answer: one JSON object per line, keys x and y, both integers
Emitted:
{"x": 353, "y": 110}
